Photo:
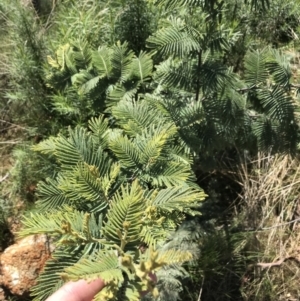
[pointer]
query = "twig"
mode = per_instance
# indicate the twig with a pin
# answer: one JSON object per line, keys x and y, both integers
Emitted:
{"x": 265, "y": 265}
{"x": 246, "y": 89}
{"x": 201, "y": 289}
{"x": 268, "y": 228}
{"x": 13, "y": 124}
{"x": 283, "y": 224}
{"x": 10, "y": 142}
{"x": 4, "y": 178}
{"x": 272, "y": 227}
{"x": 50, "y": 14}
{"x": 277, "y": 263}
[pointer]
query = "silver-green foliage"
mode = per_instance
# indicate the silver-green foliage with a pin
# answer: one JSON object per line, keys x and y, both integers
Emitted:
{"x": 212, "y": 106}
{"x": 123, "y": 185}
{"x": 126, "y": 181}
{"x": 252, "y": 108}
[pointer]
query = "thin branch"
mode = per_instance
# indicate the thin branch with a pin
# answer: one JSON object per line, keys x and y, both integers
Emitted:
{"x": 15, "y": 125}
{"x": 4, "y": 178}
{"x": 243, "y": 90}
{"x": 277, "y": 263}
{"x": 265, "y": 265}
{"x": 198, "y": 78}
{"x": 272, "y": 227}
{"x": 201, "y": 289}
{"x": 50, "y": 14}
{"x": 280, "y": 225}
{"x": 10, "y": 142}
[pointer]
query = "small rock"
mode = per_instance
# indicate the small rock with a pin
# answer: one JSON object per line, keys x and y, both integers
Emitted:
{"x": 21, "y": 263}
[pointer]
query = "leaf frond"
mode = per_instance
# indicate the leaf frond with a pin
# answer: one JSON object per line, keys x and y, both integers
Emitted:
{"x": 101, "y": 265}
{"x": 173, "y": 41}
{"x": 125, "y": 215}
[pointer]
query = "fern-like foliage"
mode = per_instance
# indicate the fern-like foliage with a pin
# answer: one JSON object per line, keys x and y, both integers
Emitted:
{"x": 111, "y": 73}
{"x": 269, "y": 76}
{"x": 171, "y": 278}
{"x": 211, "y": 106}
{"x": 125, "y": 180}
{"x": 50, "y": 280}
{"x": 232, "y": 106}
{"x": 210, "y": 5}
{"x": 174, "y": 40}
{"x": 135, "y": 23}
{"x": 118, "y": 190}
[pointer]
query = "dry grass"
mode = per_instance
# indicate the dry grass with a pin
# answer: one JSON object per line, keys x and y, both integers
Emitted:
{"x": 270, "y": 213}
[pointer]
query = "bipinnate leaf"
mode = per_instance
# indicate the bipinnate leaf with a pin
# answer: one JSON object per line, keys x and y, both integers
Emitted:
{"x": 152, "y": 144}
{"x": 50, "y": 195}
{"x": 125, "y": 215}
{"x": 47, "y": 146}
{"x": 255, "y": 65}
{"x": 49, "y": 280}
{"x": 87, "y": 183}
{"x": 104, "y": 265}
{"x": 68, "y": 225}
{"x": 101, "y": 61}
{"x": 279, "y": 66}
{"x": 168, "y": 173}
{"x": 121, "y": 62}
{"x": 181, "y": 199}
{"x": 135, "y": 117}
{"x": 126, "y": 151}
{"x": 153, "y": 234}
{"x": 142, "y": 67}
{"x": 99, "y": 127}
{"x": 173, "y": 40}
{"x": 172, "y": 256}
{"x": 78, "y": 147}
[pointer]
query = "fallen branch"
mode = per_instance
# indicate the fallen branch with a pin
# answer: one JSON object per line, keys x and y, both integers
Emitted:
{"x": 264, "y": 265}
{"x": 277, "y": 263}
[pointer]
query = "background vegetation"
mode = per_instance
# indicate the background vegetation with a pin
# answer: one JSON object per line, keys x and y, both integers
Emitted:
{"x": 223, "y": 73}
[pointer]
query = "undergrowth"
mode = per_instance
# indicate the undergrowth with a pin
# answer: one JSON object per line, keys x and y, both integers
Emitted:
{"x": 270, "y": 215}
{"x": 253, "y": 254}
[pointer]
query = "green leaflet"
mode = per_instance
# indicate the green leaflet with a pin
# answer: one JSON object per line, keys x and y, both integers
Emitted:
{"x": 126, "y": 151}
{"x": 173, "y": 40}
{"x": 69, "y": 226}
{"x": 174, "y": 197}
{"x": 49, "y": 280}
{"x": 104, "y": 265}
{"x": 101, "y": 61}
{"x": 142, "y": 67}
{"x": 125, "y": 216}
{"x": 50, "y": 196}
{"x": 255, "y": 64}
